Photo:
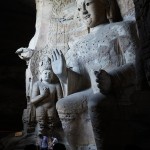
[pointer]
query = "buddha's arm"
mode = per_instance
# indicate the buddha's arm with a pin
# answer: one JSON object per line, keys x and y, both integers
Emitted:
{"x": 37, "y": 96}
{"x": 59, "y": 91}
{"x": 125, "y": 75}
{"x": 128, "y": 42}
{"x": 70, "y": 80}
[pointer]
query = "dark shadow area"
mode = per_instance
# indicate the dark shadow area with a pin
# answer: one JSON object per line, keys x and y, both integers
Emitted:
{"x": 17, "y": 27}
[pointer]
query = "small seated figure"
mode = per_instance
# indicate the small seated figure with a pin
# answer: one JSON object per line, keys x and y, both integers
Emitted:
{"x": 45, "y": 94}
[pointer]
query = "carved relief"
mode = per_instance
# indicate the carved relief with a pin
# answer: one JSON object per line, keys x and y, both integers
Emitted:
{"x": 80, "y": 42}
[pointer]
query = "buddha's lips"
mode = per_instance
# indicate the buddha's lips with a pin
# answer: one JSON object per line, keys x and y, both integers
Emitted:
{"x": 86, "y": 16}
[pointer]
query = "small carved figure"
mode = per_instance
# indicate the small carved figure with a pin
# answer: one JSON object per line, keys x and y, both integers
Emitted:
{"x": 45, "y": 93}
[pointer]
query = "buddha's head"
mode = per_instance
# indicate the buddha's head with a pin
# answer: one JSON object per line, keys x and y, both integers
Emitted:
{"x": 47, "y": 75}
{"x": 96, "y": 12}
{"x": 45, "y": 70}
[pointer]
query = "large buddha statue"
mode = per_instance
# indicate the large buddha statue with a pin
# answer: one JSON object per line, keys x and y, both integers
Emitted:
{"x": 94, "y": 63}
{"x": 109, "y": 51}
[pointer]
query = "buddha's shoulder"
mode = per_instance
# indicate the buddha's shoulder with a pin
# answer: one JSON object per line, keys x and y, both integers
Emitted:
{"x": 121, "y": 28}
{"x": 123, "y": 24}
{"x": 110, "y": 28}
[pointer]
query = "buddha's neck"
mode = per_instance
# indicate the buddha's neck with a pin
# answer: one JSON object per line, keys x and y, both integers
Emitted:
{"x": 46, "y": 82}
{"x": 94, "y": 29}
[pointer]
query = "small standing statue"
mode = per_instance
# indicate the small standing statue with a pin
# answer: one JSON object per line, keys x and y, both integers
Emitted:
{"x": 45, "y": 93}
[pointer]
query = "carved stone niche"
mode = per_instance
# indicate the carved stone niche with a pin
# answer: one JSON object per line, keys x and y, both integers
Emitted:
{"x": 107, "y": 46}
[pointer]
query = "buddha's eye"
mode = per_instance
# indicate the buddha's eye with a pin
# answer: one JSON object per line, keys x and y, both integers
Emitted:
{"x": 87, "y": 4}
{"x": 79, "y": 9}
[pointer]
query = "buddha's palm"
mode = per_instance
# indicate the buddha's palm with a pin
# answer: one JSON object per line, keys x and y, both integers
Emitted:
{"x": 58, "y": 63}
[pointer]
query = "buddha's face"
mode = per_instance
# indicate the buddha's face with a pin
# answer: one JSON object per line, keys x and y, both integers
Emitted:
{"x": 93, "y": 12}
{"x": 47, "y": 75}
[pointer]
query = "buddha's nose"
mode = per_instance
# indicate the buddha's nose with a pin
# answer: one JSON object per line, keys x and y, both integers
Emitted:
{"x": 84, "y": 11}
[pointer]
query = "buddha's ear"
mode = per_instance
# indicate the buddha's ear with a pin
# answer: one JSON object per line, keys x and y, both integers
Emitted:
{"x": 113, "y": 11}
{"x": 39, "y": 77}
{"x": 109, "y": 14}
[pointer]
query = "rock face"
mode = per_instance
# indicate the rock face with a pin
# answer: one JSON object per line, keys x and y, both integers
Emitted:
{"x": 81, "y": 37}
{"x": 143, "y": 54}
